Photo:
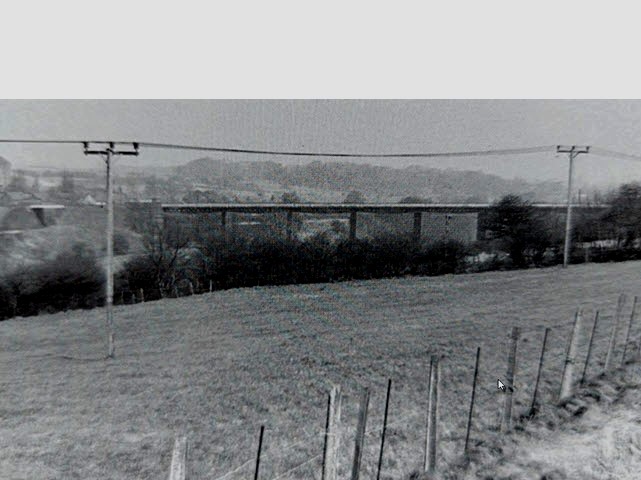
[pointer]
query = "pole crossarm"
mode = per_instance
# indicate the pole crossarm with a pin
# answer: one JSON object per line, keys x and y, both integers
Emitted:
{"x": 574, "y": 150}
{"x": 109, "y": 148}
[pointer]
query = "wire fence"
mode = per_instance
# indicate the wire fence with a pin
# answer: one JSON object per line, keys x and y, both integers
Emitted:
{"x": 574, "y": 364}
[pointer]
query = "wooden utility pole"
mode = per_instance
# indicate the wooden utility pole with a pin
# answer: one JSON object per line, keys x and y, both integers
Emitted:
{"x": 572, "y": 152}
{"x": 108, "y": 152}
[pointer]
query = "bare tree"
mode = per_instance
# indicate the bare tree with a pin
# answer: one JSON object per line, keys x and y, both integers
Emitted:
{"x": 163, "y": 244}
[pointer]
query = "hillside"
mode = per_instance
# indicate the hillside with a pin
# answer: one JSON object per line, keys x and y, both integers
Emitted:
{"x": 75, "y": 224}
{"x": 377, "y": 183}
{"x": 217, "y": 366}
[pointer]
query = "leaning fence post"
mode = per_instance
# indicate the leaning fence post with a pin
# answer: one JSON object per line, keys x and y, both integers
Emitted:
{"x": 615, "y": 331}
{"x": 330, "y": 450}
{"x": 570, "y": 359}
{"x": 627, "y": 334}
{"x": 469, "y": 417}
{"x": 260, "y": 446}
{"x": 590, "y": 345}
{"x": 178, "y": 469}
{"x": 380, "y": 456}
{"x": 429, "y": 464}
{"x": 360, "y": 435}
{"x": 538, "y": 373}
{"x": 506, "y": 421}
{"x": 142, "y": 295}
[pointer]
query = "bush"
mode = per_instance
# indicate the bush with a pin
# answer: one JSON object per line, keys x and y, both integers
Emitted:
{"x": 73, "y": 279}
{"x": 442, "y": 258}
{"x": 121, "y": 244}
{"x": 318, "y": 259}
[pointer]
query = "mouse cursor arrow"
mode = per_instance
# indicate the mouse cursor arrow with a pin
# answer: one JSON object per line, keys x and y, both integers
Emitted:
{"x": 501, "y": 385}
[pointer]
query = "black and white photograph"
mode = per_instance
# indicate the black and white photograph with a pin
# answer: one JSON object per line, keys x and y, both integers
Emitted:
{"x": 310, "y": 280}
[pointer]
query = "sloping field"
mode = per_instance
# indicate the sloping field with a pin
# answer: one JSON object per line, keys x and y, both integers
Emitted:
{"x": 219, "y": 365}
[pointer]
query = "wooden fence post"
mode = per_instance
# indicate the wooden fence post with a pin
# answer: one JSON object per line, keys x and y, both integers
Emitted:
{"x": 142, "y": 295}
{"x": 535, "y": 395}
{"x": 380, "y": 456}
{"x": 627, "y": 334}
{"x": 360, "y": 435}
{"x": 260, "y": 446}
{"x": 178, "y": 469}
{"x": 589, "y": 355}
{"x": 332, "y": 435}
{"x": 613, "y": 335}
{"x": 175, "y": 290}
{"x": 429, "y": 463}
{"x": 211, "y": 286}
{"x": 506, "y": 421}
{"x": 469, "y": 417}
{"x": 191, "y": 288}
{"x": 570, "y": 359}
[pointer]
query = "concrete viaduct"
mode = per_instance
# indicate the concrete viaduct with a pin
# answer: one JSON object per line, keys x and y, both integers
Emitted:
{"x": 158, "y": 209}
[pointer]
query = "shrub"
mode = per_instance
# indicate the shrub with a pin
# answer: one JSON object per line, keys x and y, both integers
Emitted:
{"x": 441, "y": 258}
{"x": 73, "y": 279}
{"x": 121, "y": 244}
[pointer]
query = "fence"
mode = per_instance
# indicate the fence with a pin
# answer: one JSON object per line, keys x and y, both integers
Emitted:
{"x": 574, "y": 374}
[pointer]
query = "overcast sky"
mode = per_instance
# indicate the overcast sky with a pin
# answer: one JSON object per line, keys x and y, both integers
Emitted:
{"x": 342, "y": 126}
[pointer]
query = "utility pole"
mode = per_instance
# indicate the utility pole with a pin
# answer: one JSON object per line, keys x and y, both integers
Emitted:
{"x": 572, "y": 152}
{"x": 108, "y": 152}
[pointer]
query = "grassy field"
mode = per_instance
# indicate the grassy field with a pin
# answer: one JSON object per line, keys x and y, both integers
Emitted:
{"x": 605, "y": 442}
{"x": 217, "y": 366}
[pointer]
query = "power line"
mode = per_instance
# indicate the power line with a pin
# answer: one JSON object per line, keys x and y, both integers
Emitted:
{"x": 510, "y": 151}
{"x": 602, "y": 152}
{"x": 58, "y": 142}
{"x": 175, "y": 146}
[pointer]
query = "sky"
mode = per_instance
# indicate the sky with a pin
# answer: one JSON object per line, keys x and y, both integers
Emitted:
{"x": 354, "y": 126}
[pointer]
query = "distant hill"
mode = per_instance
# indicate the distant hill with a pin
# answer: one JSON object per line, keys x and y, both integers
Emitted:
{"x": 377, "y": 183}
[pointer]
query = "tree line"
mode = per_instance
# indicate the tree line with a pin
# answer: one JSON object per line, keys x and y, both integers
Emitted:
{"x": 185, "y": 252}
